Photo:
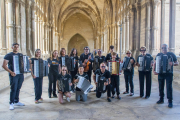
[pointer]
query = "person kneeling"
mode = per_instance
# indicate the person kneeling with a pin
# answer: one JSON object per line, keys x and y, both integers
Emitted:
{"x": 105, "y": 83}
{"x": 64, "y": 85}
{"x": 79, "y": 94}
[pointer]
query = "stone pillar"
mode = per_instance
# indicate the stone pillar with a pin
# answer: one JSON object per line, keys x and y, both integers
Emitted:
{"x": 172, "y": 20}
{"x": 36, "y": 31}
{"x": 18, "y": 24}
{"x": 10, "y": 25}
{"x": 3, "y": 28}
{"x": 162, "y": 22}
{"x": 130, "y": 30}
{"x": 127, "y": 34}
{"x": 33, "y": 28}
{"x": 123, "y": 36}
{"x": 154, "y": 28}
{"x": 148, "y": 17}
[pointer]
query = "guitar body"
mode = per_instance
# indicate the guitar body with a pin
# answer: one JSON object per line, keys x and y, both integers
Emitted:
{"x": 86, "y": 68}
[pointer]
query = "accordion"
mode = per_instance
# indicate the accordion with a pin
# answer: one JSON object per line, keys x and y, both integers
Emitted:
{"x": 95, "y": 64}
{"x": 145, "y": 63}
{"x": 64, "y": 84}
{"x": 115, "y": 67}
{"x": 40, "y": 68}
{"x": 100, "y": 83}
{"x": 70, "y": 62}
{"x": 127, "y": 64}
{"x": 84, "y": 85}
{"x": 21, "y": 64}
{"x": 162, "y": 64}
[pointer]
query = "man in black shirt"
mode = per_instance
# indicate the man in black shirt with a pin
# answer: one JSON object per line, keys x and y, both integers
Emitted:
{"x": 100, "y": 59}
{"x": 84, "y": 58}
{"x": 102, "y": 71}
{"x": 143, "y": 74}
{"x": 15, "y": 80}
{"x": 108, "y": 56}
{"x": 168, "y": 76}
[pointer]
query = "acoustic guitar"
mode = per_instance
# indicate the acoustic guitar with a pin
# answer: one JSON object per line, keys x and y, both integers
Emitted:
{"x": 87, "y": 63}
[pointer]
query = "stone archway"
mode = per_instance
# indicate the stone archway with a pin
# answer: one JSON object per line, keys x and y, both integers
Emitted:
{"x": 78, "y": 42}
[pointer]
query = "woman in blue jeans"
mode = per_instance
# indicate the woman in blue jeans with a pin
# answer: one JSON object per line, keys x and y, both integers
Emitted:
{"x": 37, "y": 80}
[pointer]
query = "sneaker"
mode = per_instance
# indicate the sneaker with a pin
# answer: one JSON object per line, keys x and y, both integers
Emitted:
{"x": 118, "y": 97}
{"x": 112, "y": 96}
{"x": 131, "y": 94}
{"x": 11, "y": 107}
{"x": 146, "y": 97}
{"x": 36, "y": 102}
{"x": 109, "y": 100}
{"x": 170, "y": 105}
{"x": 68, "y": 99}
{"x": 161, "y": 101}
{"x": 40, "y": 100}
{"x": 125, "y": 92}
{"x": 19, "y": 104}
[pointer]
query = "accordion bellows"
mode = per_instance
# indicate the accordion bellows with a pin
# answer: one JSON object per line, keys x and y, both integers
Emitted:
{"x": 64, "y": 84}
{"x": 100, "y": 79}
{"x": 115, "y": 67}
{"x": 145, "y": 63}
{"x": 84, "y": 85}
{"x": 21, "y": 64}
{"x": 127, "y": 64}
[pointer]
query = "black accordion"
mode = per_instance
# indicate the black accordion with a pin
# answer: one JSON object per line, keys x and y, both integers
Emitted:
{"x": 145, "y": 63}
{"x": 84, "y": 85}
{"x": 100, "y": 83}
{"x": 40, "y": 68}
{"x": 70, "y": 62}
{"x": 127, "y": 64}
{"x": 64, "y": 84}
{"x": 95, "y": 64}
{"x": 21, "y": 64}
{"x": 162, "y": 64}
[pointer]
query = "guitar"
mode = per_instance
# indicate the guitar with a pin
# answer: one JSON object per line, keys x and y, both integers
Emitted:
{"x": 87, "y": 63}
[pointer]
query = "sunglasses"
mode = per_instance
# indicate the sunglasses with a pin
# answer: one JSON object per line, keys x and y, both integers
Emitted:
{"x": 64, "y": 70}
{"x": 142, "y": 50}
{"x": 164, "y": 48}
{"x": 102, "y": 66}
{"x": 128, "y": 53}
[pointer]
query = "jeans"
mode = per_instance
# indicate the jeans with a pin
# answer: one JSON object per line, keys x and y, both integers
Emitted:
{"x": 52, "y": 81}
{"x": 129, "y": 80}
{"x": 115, "y": 84}
{"x": 38, "y": 87}
{"x": 15, "y": 86}
{"x": 108, "y": 88}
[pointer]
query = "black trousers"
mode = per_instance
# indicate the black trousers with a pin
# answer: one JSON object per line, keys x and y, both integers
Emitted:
{"x": 108, "y": 89}
{"x": 142, "y": 75}
{"x": 38, "y": 87}
{"x": 73, "y": 73}
{"x": 129, "y": 80}
{"x": 115, "y": 84}
{"x": 169, "y": 89}
{"x": 15, "y": 86}
{"x": 52, "y": 82}
{"x": 89, "y": 75}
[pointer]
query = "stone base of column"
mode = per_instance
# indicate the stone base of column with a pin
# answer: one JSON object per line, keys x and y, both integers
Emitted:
{"x": 3, "y": 51}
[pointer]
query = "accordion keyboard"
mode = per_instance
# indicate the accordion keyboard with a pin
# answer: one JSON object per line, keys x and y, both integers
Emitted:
{"x": 16, "y": 64}
{"x": 36, "y": 68}
{"x": 63, "y": 61}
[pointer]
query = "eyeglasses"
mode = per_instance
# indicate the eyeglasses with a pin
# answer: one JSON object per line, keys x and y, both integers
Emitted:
{"x": 128, "y": 53}
{"x": 103, "y": 66}
{"x": 164, "y": 48}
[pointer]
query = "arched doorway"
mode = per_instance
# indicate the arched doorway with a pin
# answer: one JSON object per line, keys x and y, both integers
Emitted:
{"x": 78, "y": 42}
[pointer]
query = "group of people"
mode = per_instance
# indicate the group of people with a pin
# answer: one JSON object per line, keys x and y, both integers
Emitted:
{"x": 84, "y": 67}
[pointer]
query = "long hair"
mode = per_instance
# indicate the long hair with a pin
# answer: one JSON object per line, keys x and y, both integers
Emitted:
{"x": 66, "y": 69}
{"x": 51, "y": 57}
{"x": 62, "y": 50}
{"x": 37, "y": 51}
{"x": 71, "y": 54}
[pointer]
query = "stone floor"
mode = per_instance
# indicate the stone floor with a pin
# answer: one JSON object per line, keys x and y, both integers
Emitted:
{"x": 129, "y": 108}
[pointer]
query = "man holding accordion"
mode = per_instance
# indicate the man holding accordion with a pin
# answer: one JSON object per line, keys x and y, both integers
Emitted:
{"x": 16, "y": 76}
{"x": 163, "y": 67}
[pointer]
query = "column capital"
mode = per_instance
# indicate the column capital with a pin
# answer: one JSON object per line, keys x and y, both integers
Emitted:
{"x": 155, "y": 2}
{"x": 9, "y": 1}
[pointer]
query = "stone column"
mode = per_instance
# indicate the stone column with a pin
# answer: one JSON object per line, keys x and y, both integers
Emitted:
{"x": 172, "y": 20}
{"x": 33, "y": 27}
{"x": 3, "y": 28}
{"x": 127, "y": 34}
{"x": 36, "y": 31}
{"x": 10, "y": 25}
{"x": 18, "y": 24}
{"x": 123, "y": 36}
{"x": 154, "y": 28}
{"x": 130, "y": 30}
{"x": 148, "y": 17}
{"x": 162, "y": 22}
